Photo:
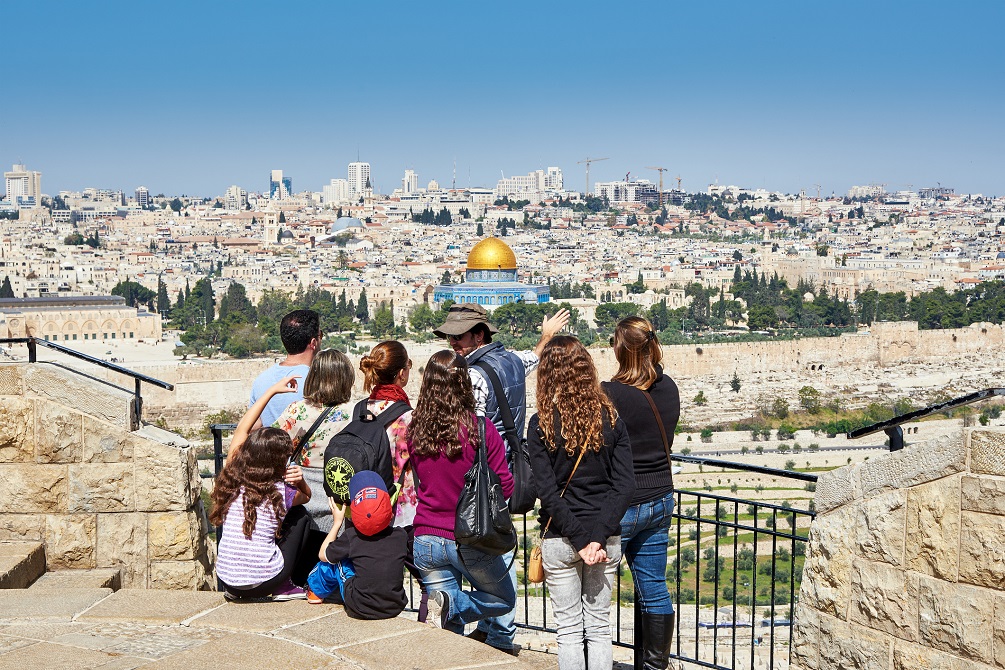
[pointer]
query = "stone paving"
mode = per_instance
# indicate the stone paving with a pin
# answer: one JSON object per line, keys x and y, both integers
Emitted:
{"x": 84, "y": 629}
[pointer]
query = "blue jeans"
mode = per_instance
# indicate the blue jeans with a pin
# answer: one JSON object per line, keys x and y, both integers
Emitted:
{"x": 492, "y": 594}
{"x": 644, "y": 542}
{"x": 500, "y": 631}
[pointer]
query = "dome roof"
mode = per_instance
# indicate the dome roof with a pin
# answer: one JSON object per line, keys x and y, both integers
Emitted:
{"x": 491, "y": 254}
{"x": 345, "y": 222}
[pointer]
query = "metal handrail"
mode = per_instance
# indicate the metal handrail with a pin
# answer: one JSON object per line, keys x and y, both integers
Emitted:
{"x": 892, "y": 427}
{"x": 137, "y": 377}
{"x": 746, "y": 467}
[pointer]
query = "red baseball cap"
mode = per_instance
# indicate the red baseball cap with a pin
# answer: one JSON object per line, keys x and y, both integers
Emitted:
{"x": 370, "y": 503}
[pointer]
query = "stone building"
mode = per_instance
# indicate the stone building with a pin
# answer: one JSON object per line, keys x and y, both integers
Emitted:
{"x": 491, "y": 279}
{"x": 73, "y": 318}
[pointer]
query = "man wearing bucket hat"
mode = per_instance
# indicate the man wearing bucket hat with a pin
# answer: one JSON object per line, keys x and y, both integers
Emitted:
{"x": 469, "y": 333}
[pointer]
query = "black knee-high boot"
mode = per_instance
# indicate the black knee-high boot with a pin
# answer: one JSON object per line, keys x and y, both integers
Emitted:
{"x": 657, "y": 640}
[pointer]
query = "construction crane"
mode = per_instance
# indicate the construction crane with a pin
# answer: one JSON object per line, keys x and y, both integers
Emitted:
{"x": 818, "y": 190}
{"x": 678, "y": 181}
{"x": 588, "y": 161}
{"x": 661, "y": 171}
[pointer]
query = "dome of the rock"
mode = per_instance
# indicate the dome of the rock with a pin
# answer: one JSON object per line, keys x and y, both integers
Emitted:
{"x": 491, "y": 254}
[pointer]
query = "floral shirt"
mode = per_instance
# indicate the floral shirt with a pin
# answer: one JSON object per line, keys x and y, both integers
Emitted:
{"x": 297, "y": 419}
{"x": 407, "y": 497}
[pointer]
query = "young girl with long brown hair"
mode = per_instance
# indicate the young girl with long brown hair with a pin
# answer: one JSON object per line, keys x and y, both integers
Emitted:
{"x": 442, "y": 439}
{"x": 259, "y": 501}
{"x": 579, "y": 445}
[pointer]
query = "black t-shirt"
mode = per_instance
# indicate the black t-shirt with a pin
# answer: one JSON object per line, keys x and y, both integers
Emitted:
{"x": 377, "y": 591}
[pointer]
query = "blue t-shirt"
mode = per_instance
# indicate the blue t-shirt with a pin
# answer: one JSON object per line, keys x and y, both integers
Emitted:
{"x": 282, "y": 401}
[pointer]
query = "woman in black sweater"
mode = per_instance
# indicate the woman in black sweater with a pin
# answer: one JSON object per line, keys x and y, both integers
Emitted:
{"x": 578, "y": 443}
{"x": 649, "y": 403}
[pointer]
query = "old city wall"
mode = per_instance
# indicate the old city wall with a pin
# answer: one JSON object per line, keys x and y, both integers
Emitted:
{"x": 905, "y": 565}
{"x": 75, "y": 477}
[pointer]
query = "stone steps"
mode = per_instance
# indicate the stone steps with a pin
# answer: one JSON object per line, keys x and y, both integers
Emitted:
{"x": 21, "y": 563}
{"x": 97, "y": 578}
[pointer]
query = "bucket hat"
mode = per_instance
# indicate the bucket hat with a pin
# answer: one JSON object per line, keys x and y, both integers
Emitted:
{"x": 462, "y": 317}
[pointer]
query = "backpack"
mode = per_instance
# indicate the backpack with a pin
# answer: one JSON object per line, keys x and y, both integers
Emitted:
{"x": 483, "y": 520}
{"x": 518, "y": 457}
{"x": 361, "y": 445}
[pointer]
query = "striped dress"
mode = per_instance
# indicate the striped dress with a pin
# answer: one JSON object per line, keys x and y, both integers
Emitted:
{"x": 246, "y": 563}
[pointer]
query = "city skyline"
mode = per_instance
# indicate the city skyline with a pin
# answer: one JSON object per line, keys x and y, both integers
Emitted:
{"x": 781, "y": 97}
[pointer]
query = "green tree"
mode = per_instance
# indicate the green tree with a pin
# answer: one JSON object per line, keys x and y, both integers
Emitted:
{"x": 163, "y": 301}
{"x": 235, "y": 307}
{"x": 362, "y": 308}
{"x": 423, "y": 319}
{"x": 382, "y": 324}
{"x": 176, "y": 205}
{"x": 734, "y": 383}
{"x": 135, "y": 293}
{"x": 480, "y": 230}
{"x": 6, "y": 290}
{"x": 74, "y": 239}
{"x": 608, "y": 315}
{"x": 809, "y": 399}
{"x": 700, "y": 399}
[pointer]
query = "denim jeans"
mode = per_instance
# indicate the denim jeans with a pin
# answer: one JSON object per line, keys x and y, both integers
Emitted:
{"x": 500, "y": 631}
{"x": 581, "y": 598}
{"x": 644, "y": 542}
{"x": 492, "y": 594}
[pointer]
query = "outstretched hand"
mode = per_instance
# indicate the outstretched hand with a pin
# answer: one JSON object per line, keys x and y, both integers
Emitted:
{"x": 287, "y": 385}
{"x": 551, "y": 327}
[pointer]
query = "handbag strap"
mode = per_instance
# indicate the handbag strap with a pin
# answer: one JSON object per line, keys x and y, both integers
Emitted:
{"x": 505, "y": 411}
{"x": 663, "y": 431}
{"x": 305, "y": 438}
{"x": 564, "y": 488}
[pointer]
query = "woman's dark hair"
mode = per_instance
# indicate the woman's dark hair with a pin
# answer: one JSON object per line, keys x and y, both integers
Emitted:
{"x": 567, "y": 383}
{"x": 446, "y": 403}
{"x": 638, "y": 352}
{"x": 383, "y": 363}
{"x": 256, "y": 467}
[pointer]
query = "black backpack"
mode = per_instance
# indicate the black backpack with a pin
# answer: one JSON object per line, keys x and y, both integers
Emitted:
{"x": 361, "y": 445}
{"x": 524, "y": 491}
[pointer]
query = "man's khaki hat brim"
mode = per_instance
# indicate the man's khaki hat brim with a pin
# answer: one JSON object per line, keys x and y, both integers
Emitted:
{"x": 462, "y": 319}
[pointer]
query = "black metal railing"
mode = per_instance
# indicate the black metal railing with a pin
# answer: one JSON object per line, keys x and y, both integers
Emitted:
{"x": 734, "y": 567}
{"x": 138, "y": 378}
{"x": 894, "y": 431}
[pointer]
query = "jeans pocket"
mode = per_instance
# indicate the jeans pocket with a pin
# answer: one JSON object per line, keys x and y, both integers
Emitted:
{"x": 629, "y": 521}
{"x": 422, "y": 553}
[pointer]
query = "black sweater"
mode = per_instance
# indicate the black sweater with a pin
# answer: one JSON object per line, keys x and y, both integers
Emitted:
{"x": 376, "y": 592}
{"x": 598, "y": 494}
{"x": 652, "y": 472}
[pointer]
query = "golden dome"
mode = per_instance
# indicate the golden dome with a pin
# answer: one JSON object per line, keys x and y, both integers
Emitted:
{"x": 491, "y": 254}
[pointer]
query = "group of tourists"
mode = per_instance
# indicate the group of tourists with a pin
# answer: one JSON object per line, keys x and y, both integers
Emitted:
{"x": 329, "y": 500}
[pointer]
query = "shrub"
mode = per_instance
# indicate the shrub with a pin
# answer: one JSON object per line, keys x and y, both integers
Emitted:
{"x": 786, "y": 431}
{"x": 780, "y": 408}
{"x": 700, "y": 399}
{"x": 706, "y": 435}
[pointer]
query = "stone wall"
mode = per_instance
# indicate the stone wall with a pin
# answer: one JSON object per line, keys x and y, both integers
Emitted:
{"x": 905, "y": 566}
{"x": 73, "y": 476}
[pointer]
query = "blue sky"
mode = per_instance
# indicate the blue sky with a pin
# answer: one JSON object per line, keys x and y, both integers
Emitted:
{"x": 188, "y": 97}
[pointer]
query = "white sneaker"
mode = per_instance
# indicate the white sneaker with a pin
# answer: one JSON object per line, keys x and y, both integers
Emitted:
{"x": 439, "y": 609}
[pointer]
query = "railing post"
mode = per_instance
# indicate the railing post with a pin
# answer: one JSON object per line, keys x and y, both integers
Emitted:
{"x": 32, "y": 352}
{"x": 638, "y": 639}
{"x": 138, "y": 403}
{"x": 896, "y": 435}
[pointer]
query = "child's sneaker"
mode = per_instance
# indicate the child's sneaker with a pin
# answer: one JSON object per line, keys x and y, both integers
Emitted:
{"x": 313, "y": 598}
{"x": 288, "y": 591}
{"x": 439, "y": 609}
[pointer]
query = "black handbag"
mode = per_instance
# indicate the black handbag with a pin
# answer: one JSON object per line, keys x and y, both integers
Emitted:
{"x": 483, "y": 519}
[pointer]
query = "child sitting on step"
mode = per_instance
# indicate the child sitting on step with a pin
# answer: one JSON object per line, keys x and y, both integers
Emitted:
{"x": 258, "y": 501}
{"x": 362, "y": 567}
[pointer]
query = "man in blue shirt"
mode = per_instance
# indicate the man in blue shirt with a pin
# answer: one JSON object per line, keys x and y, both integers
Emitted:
{"x": 300, "y": 331}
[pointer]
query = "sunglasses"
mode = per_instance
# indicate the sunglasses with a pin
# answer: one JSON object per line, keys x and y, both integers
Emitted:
{"x": 456, "y": 338}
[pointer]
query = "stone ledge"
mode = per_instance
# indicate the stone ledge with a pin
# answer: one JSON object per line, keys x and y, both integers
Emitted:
{"x": 21, "y": 563}
{"x": 98, "y": 578}
{"x": 914, "y": 465}
{"x": 99, "y": 400}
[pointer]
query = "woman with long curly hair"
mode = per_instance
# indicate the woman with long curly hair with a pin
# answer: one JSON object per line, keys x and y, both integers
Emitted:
{"x": 258, "y": 500}
{"x": 649, "y": 404}
{"x": 442, "y": 439}
{"x": 583, "y": 470}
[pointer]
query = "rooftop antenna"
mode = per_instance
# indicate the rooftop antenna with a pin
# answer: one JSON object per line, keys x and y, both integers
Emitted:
{"x": 588, "y": 161}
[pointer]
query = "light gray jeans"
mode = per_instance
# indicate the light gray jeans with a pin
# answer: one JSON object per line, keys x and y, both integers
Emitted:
{"x": 581, "y": 598}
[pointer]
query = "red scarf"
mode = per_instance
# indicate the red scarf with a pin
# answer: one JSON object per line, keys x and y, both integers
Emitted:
{"x": 391, "y": 392}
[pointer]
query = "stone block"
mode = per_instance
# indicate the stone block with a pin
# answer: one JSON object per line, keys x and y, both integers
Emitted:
{"x": 907, "y": 656}
{"x": 240, "y": 651}
{"x": 58, "y": 436}
{"x": 163, "y": 477}
{"x": 933, "y": 528}
{"x": 885, "y": 599}
{"x": 70, "y": 540}
{"x": 153, "y": 606}
{"x": 987, "y": 452}
{"x": 336, "y": 630}
{"x": 268, "y": 616}
{"x": 22, "y": 527}
{"x": 98, "y": 578}
{"x": 805, "y": 634}
{"x": 86, "y": 396}
{"x": 17, "y": 430}
{"x": 122, "y": 544}
{"x": 180, "y": 575}
{"x": 844, "y": 645}
{"x": 998, "y": 639}
{"x": 43, "y": 606}
{"x": 174, "y": 535}
{"x": 835, "y": 488}
{"x": 914, "y": 465}
{"x": 31, "y": 488}
{"x": 21, "y": 563}
{"x": 982, "y": 550}
{"x": 101, "y": 487}
{"x": 983, "y": 494}
{"x": 826, "y": 584}
{"x": 879, "y": 530}
{"x": 106, "y": 443}
{"x": 10, "y": 380}
{"x": 956, "y": 619}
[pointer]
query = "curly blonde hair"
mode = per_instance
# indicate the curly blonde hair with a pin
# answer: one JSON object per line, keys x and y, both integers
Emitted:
{"x": 446, "y": 403}
{"x": 567, "y": 383}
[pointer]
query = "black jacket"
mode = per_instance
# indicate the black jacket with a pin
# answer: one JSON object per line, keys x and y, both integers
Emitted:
{"x": 652, "y": 472}
{"x": 377, "y": 590}
{"x": 598, "y": 494}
